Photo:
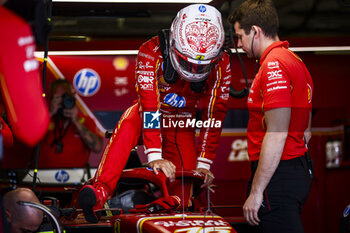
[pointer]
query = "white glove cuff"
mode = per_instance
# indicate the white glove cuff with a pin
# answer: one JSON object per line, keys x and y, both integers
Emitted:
{"x": 153, "y": 154}
{"x": 203, "y": 165}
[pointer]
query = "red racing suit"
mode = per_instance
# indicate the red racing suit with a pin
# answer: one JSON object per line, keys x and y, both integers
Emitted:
{"x": 165, "y": 115}
{"x": 21, "y": 86}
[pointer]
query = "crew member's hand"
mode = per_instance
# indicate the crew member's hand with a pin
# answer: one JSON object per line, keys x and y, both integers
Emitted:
{"x": 56, "y": 103}
{"x": 209, "y": 177}
{"x": 72, "y": 114}
{"x": 251, "y": 208}
{"x": 165, "y": 166}
{"x": 307, "y": 135}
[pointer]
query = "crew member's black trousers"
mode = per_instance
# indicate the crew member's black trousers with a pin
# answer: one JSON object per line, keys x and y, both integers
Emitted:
{"x": 284, "y": 197}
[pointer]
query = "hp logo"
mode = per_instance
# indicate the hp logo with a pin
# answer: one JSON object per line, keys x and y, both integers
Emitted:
{"x": 62, "y": 176}
{"x": 175, "y": 100}
{"x": 202, "y": 8}
{"x": 346, "y": 211}
{"x": 86, "y": 82}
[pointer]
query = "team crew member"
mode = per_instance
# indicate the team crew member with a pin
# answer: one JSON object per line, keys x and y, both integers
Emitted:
{"x": 20, "y": 82}
{"x": 71, "y": 136}
{"x": 22, "y": 218}
{"x": 280, "y": 112}
{"x": 171, "y": 82}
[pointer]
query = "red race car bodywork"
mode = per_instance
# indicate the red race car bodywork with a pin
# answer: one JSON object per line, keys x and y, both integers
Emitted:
{"x": 118, "y": 220}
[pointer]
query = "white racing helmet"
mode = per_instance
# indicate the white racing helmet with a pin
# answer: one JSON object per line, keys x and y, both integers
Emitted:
{"x": 196, "y": 40}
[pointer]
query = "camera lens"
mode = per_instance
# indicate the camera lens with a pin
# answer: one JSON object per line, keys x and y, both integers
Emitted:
{"x": 68, "y": 101}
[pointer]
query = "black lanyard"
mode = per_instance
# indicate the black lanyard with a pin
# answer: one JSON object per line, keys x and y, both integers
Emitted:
{"x": 59, "y": 132}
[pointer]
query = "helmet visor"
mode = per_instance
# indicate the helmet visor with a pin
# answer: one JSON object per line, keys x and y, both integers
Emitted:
{"x": 195, "y": 66}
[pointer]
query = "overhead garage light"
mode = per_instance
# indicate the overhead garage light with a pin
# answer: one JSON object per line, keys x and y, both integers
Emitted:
{"x": 345, "y": 49}
{"x": 135, "y": 1}
{"x": 88, "y": 52}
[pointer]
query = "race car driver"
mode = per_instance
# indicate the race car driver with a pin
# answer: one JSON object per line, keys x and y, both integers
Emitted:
{"x": 174, "y": 77}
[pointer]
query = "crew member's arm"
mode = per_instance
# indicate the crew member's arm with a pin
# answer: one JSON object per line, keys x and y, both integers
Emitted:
{"x": 214, "y": 102}
{"x": 90, "y": 139}
{"x": 147, "y": 66}
{"x": 277, "y": 122}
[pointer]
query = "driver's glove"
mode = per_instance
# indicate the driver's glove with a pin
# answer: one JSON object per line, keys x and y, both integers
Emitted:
{"x": 161, "y": 205}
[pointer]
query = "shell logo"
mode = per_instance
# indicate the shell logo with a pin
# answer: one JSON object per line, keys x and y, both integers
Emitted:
{"x": 120, "y": 63}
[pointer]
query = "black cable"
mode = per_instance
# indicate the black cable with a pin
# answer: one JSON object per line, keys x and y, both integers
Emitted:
{"x": 239, "y": 57}
{"x": 182, "y": 166}
{"x": 49, "y": 2}
{"x": 245, "y": 91}
{"x": 256, "y": 58}
{"x": 36, "y": 165}
{"x": 49, "y": 12}
{"x": 252, "y": 47}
